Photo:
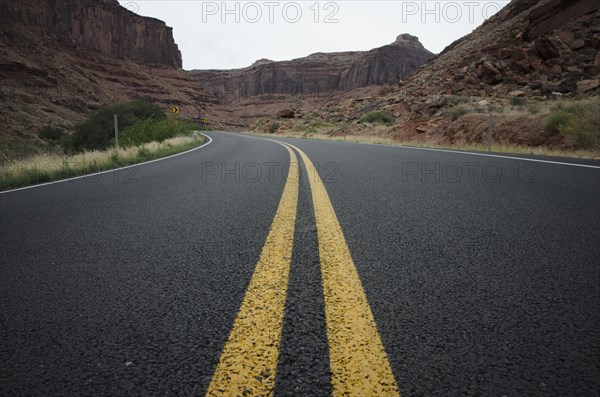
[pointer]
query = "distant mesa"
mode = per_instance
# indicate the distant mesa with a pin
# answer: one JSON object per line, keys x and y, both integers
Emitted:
{"x": 262, "y": 61}
{"x": 404, "y": 37}
{"x": 322, "y": 73}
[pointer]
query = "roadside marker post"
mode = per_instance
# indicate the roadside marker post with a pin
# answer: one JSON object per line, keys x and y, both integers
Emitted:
{"x": 490, "y": 133}
{"x": 116, "y": 132}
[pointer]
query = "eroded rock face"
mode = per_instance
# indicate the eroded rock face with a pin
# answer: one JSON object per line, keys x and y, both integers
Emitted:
{"x": 318, "y": 73}
{"x": 62, "y": 59}
{"x": 540, "y": 47}
{"x": 100, "y": 26}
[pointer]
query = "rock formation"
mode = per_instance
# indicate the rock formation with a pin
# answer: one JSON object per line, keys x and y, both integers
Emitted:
{"x": 99, "y": 26}
{"x": 62, "y": 59}
{"x": 530, "y": 52}
{"x": 318, "y": 74}
{"x": 537, "y": 46}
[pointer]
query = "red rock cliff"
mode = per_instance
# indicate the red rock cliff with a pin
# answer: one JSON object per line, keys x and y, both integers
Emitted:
{"x": 320, "y": 73}
{"x": 99, "y": 26}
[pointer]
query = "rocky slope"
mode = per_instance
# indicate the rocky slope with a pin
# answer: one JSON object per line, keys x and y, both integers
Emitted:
{"x": 536, "y": 46}
{"x": 530, "y": 53}
{"x": 319, "y": 74}
{"x": 60, "y": 60}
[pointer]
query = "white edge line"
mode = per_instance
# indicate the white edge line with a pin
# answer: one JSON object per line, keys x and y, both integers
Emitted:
{"x": 435, "y": 150}
{"x": 487, "y": 155}
{"x": 111, "y": 170}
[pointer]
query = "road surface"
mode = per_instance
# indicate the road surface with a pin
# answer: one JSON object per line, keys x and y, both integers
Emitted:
{"x": 322, "y": 268}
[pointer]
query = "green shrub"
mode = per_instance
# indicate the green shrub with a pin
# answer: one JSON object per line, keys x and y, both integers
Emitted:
{"x": 517, "y": 101}
{"x": 150, "y": 130}
{"x": 554, "y": 121}
{"x": 97, "y": 132}
{"x": 274, "y": 126}
{"x": 579, "y": 119}
{"x": 13, "y": 148}
{"x": 495, "y": 109}
{"x": 143, "y": 153}
{"x": 48, "y": 133}
{"x": 300, "y": 127}
{"x": 458, "y": 99}
{"x": 378, "y": 117}
{"x": 534, "y": 108}
{"x": 258, "y": 124}
{"x": 457, "y": 112}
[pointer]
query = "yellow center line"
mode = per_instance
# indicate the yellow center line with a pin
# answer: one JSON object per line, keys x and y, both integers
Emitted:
{"x": 359, "y": 364}
{"x": 249, "y": 360}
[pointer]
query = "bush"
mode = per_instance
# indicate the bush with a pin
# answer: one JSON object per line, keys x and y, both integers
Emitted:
{"x": 534, "y": 108}
{"x": 150, "y": 130}
{"x": 457, "y": 112}
{"x": 13, "y": 148}
{"x": 258, "y": 124}
{"x": 495, "y": 109}
{"x": 48, "y": 133}
{"x": 301, "y": 127}
{"x": 554, "y": 121}
{"x": 274, "y": 126}
{"x": 517, "y": 101}
{"x": 97, "y": 132}
{"x": 579, "y": 119}
{"x": 374, "y": 117}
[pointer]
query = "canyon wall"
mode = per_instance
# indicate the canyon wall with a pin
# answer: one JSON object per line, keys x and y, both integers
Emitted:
{"x": 99, "y": 26}
{"x": 320, "y": 73}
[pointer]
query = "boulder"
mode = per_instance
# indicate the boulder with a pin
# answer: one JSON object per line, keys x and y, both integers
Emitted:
{"x": 286, "y": 114}
{"x": 422, "y": 129}
{"x": 536, "y": 85}
{"x": 584, "y": 86}
{"x": 591, "y": 70}
{"x": 577, "y": 44}
{"x": 521, "y": 66}
{"x": 489, "y": 72}
{"x": 545, "y": 49}
{"x": 493, "y": 75}
{"x": 435, "y": 101}
{"x": 569, "y": 38}
{"x": 548, "y": 88}
{"x": 568, "y": 85}
{"x": 517, "y": 93}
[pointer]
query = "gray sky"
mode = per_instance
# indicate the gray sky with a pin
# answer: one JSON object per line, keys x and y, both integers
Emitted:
{"x": 234, "y": 34}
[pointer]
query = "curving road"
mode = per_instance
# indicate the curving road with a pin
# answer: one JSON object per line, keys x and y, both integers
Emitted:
{"x": 475, "y": 275}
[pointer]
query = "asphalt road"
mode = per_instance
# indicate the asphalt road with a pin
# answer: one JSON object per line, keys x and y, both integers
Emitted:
{"x": 482, "y": 273}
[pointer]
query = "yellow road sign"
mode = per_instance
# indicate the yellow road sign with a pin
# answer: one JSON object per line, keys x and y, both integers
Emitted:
{"x": 176, "y": 109}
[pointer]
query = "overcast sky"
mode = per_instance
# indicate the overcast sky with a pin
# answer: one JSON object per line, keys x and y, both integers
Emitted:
{"x": 234, "y": 34}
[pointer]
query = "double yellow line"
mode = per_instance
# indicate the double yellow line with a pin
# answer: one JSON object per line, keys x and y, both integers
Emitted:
{"x": 359, "y": 364}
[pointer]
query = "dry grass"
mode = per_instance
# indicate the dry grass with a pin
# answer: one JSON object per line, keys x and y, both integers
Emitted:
{"x": 497, "y": 148}
{"x": 47, "y": 167}
{"x": 504, "y": 112}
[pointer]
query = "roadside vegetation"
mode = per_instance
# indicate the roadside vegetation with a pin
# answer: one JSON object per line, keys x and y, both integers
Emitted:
{"x": 496, "y": 147}
{"x": 146, "y": 133}
{"x": 383, "y": 117}
{"x": 579, "y": 120}
{"x": 563, "y": 127}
